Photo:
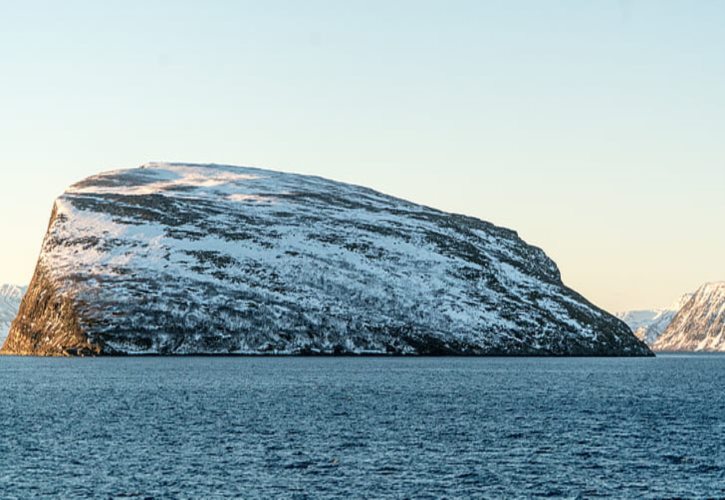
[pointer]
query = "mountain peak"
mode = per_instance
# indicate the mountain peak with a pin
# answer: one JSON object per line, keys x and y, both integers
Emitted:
{"x": 679, "y": 303}
{"x": 713, "y": 287}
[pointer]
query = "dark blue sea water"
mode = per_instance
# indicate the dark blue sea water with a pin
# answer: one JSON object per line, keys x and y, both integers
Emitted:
{"x": 362, "y": 427}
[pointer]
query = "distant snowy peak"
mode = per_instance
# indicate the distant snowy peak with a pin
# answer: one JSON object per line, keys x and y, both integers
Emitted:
{"x": 700, "y": 323}
{"x": 12, "y": 292}
{"x": 10, "y": 297}
{"x": 640, "y": 318}
{"x": 649, "y": 324}
{"x": 214, "y": 259}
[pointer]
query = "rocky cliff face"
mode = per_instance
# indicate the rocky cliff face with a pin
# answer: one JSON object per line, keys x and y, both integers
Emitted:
{"x": 700, "y": 323}
{"x": 10, "y": 296}
{"x": 183, "y": 259}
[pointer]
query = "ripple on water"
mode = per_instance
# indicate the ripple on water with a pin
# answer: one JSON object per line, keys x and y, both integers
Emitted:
{"x": 368, "y": 427}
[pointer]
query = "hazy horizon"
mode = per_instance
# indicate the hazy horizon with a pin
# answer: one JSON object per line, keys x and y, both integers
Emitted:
{"x": 593, "y": 130}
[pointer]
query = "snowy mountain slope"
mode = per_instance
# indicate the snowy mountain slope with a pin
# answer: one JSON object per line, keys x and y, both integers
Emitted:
{"x": 700, "y": 324}
{"x": 648, "y": 325}
{"x": 179, "y": 259}
{"x": 10, "y": 296}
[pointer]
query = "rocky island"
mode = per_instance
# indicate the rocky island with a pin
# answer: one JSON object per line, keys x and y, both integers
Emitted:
{"x": 211, "y": 259}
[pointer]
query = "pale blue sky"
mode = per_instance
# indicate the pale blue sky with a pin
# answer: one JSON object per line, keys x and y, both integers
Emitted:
{"x": 596, "y": 129}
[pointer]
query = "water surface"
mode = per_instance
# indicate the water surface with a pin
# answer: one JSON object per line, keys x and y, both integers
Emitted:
{"x": 362, "y": 427}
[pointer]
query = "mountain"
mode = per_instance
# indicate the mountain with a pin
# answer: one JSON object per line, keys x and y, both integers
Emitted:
{"x": 639, "y": 320}
{"x": 190, "y": 259}
{"x": 700, "y": 324}
{"x": 648, "y": 325}
{"x": 10, "y": 296}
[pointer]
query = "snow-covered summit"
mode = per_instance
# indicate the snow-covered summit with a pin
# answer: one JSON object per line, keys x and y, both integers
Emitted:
{"x": 181, "y": 258}
{"x": 639, "y": 318}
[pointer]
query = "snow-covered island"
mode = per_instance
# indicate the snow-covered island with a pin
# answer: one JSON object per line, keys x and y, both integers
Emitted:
{"x": 211, "y": 259}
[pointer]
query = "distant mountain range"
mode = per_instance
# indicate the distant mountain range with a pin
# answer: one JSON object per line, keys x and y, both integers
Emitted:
{"x": 10, "y": 297}
{"x": 695, "y": 322}
{"x": 648, "y": 324}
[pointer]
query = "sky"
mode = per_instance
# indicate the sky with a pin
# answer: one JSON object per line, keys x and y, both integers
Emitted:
{"x": 595, "y": 129}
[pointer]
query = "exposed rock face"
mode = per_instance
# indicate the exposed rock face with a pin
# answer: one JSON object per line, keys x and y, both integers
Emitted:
{"x": 648, "y": 325}
{"x": 699, "y": 325}
{"x": 182, "y": 259}
{"x": 10, "y": 296}
{"x": 47, "y": 323}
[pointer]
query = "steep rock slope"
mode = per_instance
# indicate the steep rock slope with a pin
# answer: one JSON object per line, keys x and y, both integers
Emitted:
{"x": 10, "y": 296}
{"x": 180, "y": 259}
{"x": 700, "y": 324}
{"x": 648, "y": 325}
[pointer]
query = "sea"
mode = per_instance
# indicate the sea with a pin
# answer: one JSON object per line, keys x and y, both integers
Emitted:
{"x": 347, "y": 427}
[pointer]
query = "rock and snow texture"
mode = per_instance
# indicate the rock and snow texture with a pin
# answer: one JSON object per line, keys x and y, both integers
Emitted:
{"x": 700, "y": 324}
{"x": 180, "y": 259}
{"x": 648, "y": 325}
{"x": 10, "y": 296}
